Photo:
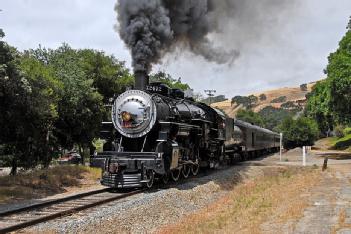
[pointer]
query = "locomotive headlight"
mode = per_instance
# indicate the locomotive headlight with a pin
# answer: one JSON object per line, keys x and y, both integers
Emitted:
{"x": 134, "y": 113}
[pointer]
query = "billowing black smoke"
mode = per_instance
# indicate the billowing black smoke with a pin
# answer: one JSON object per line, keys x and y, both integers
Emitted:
{"x": 151, "y": 28}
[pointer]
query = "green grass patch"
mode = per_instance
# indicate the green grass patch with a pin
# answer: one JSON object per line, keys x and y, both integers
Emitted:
{"x": 347, "y": 131}
{"x": 343, "y": 143}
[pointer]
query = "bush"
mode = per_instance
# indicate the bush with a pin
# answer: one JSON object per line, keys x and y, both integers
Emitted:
{"x": 347, "y": 131}
{"x": 298, "y": 133}
{"x": 274, "y": 116}
{"x": 263, "y": 97}
{"x": 303, "y": 87}
{"x": 339, "y": 131}
{"x": 279, "y": 99}
{"x": 343, "y": 143}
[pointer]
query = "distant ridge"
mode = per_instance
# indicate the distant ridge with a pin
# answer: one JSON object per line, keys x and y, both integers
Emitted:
{"x": 294, "y": 96}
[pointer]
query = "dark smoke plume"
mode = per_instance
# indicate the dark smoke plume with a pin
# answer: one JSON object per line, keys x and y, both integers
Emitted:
{"x": 152, "y": 28}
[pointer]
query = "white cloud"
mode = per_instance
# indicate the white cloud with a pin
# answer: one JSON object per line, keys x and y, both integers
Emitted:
{"x": 297, "y": 54}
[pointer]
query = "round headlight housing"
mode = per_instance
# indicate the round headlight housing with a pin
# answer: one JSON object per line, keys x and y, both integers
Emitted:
{"x": 134, "y": 113}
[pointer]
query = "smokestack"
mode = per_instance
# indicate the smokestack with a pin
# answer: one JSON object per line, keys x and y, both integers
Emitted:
{"x": 141, "y": 80}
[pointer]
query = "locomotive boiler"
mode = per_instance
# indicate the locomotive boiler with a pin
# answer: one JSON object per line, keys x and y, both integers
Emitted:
{"x": 158, "y": 133}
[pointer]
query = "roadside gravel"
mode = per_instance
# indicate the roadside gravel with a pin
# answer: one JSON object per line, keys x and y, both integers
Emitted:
{"x": 150, "y": 211}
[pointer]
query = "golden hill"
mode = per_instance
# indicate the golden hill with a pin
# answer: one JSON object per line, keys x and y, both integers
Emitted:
{"x": 293, "y": 94}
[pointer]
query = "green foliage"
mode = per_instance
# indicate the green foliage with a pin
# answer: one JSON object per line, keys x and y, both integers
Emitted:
{"x": 250, "y": 117}
{"x": 288, "y": 105}
{"x": 319, "y": 105}
{"x": 339, "y": 76}
{"x": 2, "y": 34}
{"x": 215, "y": 99}
{"x": 80, "y": 106}
{"x": 263, "y": 97}
{"x": 304, "y": 87}
{"x": 298, "y": 133}
{"x": 169, "y": 80}
{"x": 339, "y": 131}
{"x": 330, "y": 100}
{"x": 53, "y": 99}
{"x": 343, "y": 143}
{"x": 280, "y": 99}
{"x": 28, "y": 106}
{"x": 247, "y": 102}
{"x": 109, "y": 76}
{"x": 347, "y": 131}
{"x": 272, "y": 116}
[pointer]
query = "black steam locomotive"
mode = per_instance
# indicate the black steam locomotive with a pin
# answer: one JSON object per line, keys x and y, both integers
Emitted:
{"x": 157, "y": 133}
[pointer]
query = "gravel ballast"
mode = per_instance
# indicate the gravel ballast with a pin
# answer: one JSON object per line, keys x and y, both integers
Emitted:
{"x": 148, "y": 212}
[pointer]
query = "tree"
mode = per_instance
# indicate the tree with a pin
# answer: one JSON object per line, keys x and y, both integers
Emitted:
{"x": 339, "y": 76}
{"x": 263, "y": 97}
{"x": 210, "y": 100}
{"x": 303, "y": 87}
{"x": 14, "y": 90}
{"x": 298, "y": 133}
{"x": 319, "y": 106}
{"x": 250, "y": 117}
{"x": 110, "y": 77}
{"x": 280, "y": 99}
{"x": 27, "y": 107}
{"x": 272, "y": 116}
{"x": 80, "y": 107}
{"x": 247, "y": 102}
{"x": 43, "y": 101}
{"x": 168, "y": 80}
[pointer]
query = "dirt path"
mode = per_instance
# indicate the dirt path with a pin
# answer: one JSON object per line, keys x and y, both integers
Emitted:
{"x": 328, "y": 210}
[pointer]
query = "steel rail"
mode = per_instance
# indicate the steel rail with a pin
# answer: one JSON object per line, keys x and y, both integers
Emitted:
{"x": 52, "y": 202}
{"x": 60, "y": 213}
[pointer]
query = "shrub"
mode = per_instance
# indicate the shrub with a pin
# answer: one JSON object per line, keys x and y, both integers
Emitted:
{"x": 288, "y": 105}
{"x": 298, "y": 133}
{"x": 339, "y": 131}
{"x": 303, "y": 87}
{"x": 279, "y": 99}
{"x": 343, "y": 143}
{"x": 347, "y": 131}
{"x": 263, "y": 97}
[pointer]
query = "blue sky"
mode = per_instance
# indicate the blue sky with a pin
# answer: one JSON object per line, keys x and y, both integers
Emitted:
{"x": 295, "y": 53}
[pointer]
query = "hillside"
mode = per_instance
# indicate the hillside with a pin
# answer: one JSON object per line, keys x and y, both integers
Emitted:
{"x": 288, "y": 97}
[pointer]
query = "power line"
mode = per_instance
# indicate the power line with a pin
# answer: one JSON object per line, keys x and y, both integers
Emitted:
{"x": 210, "y": 93}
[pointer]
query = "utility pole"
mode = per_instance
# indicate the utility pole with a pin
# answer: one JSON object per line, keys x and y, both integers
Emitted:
{"x": 210, "y": 93}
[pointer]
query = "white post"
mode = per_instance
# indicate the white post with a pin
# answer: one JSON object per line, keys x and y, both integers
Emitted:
{"x": 281, "y": 147}
{"x": 304, "y": 155}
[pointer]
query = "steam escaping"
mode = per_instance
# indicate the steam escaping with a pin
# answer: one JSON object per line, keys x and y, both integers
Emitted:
{"x": 153, "y": 28}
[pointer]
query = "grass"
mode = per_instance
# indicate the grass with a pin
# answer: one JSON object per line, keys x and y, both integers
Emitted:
{"x": 40, "y": 183}
{"x": 335, "y": 143}
{"x": 250, "y": 204}
{"x": 343, "y": 143}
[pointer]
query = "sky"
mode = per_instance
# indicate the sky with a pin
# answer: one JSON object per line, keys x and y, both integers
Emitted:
{"x": 295, "y": 52}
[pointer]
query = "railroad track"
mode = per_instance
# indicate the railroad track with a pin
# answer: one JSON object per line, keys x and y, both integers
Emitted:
{"x": 17, "y": 219}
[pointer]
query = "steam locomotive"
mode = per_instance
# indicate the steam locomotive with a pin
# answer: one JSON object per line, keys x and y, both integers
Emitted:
{"x": 157, "y": 133}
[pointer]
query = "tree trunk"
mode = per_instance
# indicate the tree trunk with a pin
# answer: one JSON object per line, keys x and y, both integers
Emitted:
{"x": 13, "y": 167}
{"x": 81, "y": 154}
